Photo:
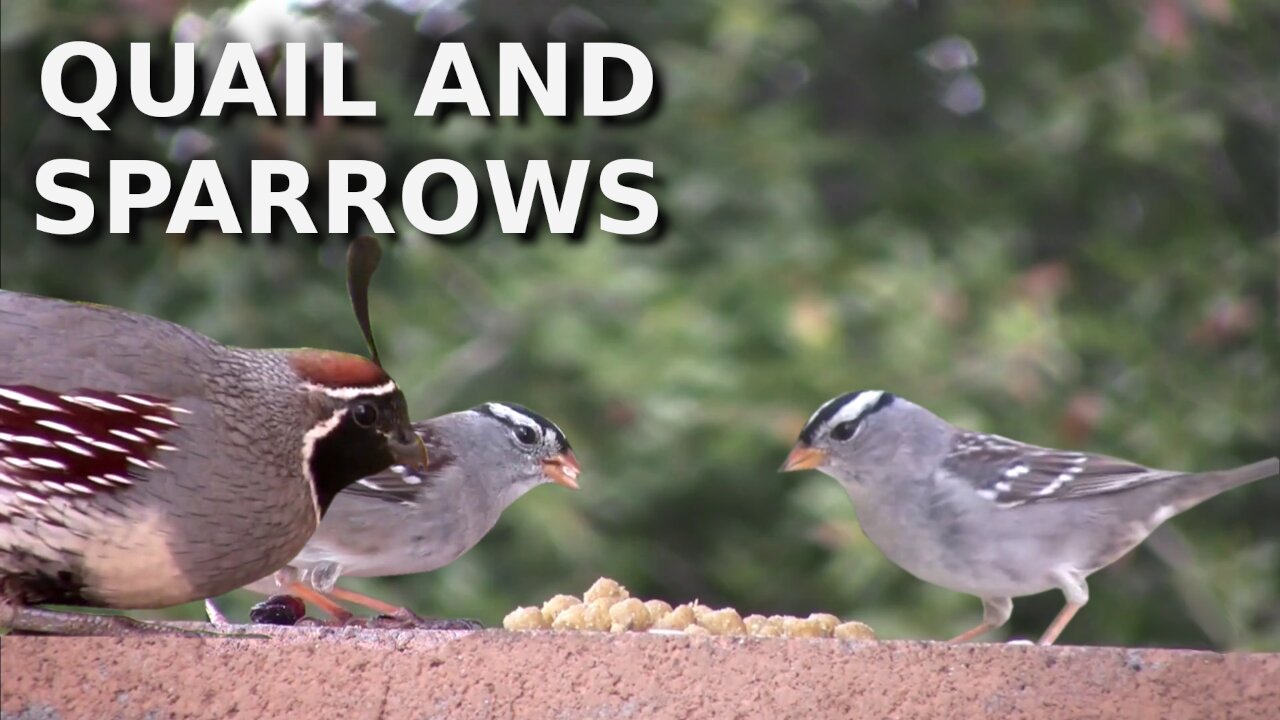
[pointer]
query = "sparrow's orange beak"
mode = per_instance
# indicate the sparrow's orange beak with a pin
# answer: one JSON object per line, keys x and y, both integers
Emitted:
{"x": 563, "y": 469}
{"x": 803, "y": 457}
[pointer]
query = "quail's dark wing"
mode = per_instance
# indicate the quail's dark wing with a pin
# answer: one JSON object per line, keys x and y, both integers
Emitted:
{"x": 78, "y": 445}
{"x": 93, "y": 400}
{"x": 1012, "y": 473}
{"x": 399, "y": 484}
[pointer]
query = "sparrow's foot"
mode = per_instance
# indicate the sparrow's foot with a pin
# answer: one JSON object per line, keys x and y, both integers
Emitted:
{"x": 403, "y": 618}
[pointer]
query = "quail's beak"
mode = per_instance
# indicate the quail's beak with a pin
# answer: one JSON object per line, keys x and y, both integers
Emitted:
{"x": 562, "y": 469}
{"x": 410, "y": 451}
{"x": 803, "y": 457}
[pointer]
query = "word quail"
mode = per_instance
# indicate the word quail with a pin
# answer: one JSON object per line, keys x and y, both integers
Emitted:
{"x": 989, "y": 516}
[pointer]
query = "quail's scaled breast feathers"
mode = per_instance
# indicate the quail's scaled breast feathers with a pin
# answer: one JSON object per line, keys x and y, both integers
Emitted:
{"x": 144, "y": 465}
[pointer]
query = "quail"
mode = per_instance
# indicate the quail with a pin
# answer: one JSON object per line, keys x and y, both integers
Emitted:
{"x": 404, "y": 521}
{"x": 143, "y": 465}
{"x": 989, "y": 516}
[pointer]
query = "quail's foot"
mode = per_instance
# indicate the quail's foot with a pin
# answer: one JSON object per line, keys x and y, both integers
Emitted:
{"x": 33, "y": 620}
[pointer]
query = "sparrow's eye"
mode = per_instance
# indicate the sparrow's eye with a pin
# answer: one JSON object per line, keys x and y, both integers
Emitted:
{"x": 526, "y": 435}
{"x": 365, "y": 414}
{"x": 844, "y": 430}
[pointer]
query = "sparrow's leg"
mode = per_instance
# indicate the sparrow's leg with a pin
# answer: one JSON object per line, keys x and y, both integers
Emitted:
{"x": 995, "y": 612}
{"x": 1077, "y": 591}
{"x": 23, "y": 619}
{"x": 401, "y": 616}
{"x": 303, "y": 591}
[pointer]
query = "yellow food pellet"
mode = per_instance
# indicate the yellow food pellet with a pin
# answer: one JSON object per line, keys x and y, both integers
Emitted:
{"x": 605, "y": 588}
{"x": 700, "y": 610}
{"x": 723, "y": 622}
{"x": 696, "y": 630}
{"x": 597, "y": 615}
{"x": 573, "y": 617}
{"x": 797, "y": 628}
{"x": 629, "y": 614}
{"x": 658, "y": 609}
{"x": 525, "y": 618}
{"x": 770, "y": 628}
{"x": 854, "y": 630}
{"x": 679, "y": 618}
{"x": 827, "y": 621}
{"x": 754, "y": 622}
{"x": 553, "y": 607}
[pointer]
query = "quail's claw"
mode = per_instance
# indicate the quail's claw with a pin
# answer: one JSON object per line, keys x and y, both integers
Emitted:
{"x": 39, "y": 621}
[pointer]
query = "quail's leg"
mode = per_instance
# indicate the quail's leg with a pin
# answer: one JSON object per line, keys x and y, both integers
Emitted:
{"x": 995, "y": 612}
{"x": 215, "y": 615}
{"x": 1077, "y": 592}
{"x": 401, "y": 616}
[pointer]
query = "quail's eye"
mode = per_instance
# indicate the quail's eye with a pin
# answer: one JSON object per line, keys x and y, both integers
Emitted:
{"x": 844, "y": 430}
{"x": 526, "y": 435}
{"x": 365, "y": 414}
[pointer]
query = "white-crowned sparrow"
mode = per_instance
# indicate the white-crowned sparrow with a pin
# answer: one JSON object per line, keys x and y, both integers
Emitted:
{"x": 401, "y": 521}
{"x": 988, "y": 516}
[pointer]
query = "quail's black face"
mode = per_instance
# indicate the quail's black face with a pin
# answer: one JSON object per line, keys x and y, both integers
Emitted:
{"x": 365, "y": 433}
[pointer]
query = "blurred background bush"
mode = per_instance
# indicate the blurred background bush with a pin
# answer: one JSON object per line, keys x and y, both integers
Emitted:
{"x": 1055, "y": 221}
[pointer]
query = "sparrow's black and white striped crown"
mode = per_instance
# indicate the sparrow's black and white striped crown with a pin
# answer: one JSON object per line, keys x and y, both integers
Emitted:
{"x": 852, "y": 407}
{"x": 515, "y": 416}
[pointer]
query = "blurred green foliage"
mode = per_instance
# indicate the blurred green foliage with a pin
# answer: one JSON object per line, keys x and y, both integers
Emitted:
{"x": 1056, "y": 221}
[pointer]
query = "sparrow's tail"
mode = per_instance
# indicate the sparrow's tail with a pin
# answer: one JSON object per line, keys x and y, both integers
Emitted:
{"x": 1202, "y": 486}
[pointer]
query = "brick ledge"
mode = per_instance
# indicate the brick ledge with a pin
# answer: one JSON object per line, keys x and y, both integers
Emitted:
{"x": 321, "y": 673}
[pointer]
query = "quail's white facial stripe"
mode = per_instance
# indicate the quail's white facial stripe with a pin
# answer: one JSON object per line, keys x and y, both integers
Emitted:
{"x": 309, "y": 441}
{"x": 351, "y": 393}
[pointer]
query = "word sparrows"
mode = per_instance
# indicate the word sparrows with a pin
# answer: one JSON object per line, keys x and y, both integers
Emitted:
{"x": 989, "y": 516}
{"x": 144, "y": 465}
{"x": 404, "y": 521}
